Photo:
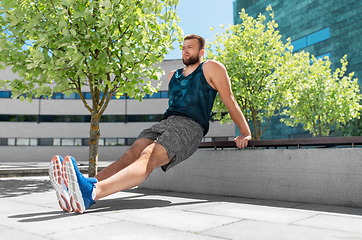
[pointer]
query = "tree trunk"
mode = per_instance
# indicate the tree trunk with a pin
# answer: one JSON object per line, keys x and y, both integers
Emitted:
{"x": 93, "y": 143}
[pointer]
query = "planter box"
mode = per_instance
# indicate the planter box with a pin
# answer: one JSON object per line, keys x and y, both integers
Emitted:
{"x": 331, "y": 176}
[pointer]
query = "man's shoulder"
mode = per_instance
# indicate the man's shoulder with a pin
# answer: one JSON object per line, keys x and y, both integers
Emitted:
{"x": 210, "y": 65}
{"x": 170, "y": 74}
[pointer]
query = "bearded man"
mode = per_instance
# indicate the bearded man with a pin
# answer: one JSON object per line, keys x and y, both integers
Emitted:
{"x": 175, "y": 138}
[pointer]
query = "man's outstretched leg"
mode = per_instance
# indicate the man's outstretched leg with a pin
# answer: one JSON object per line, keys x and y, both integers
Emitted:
{"x": 129, "y": 157}
{"x": 85, "y": 191}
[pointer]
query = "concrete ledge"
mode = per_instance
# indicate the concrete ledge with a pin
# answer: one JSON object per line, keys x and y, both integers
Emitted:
{"x": 44, "y": 154}
{"x": 320, "y": 176}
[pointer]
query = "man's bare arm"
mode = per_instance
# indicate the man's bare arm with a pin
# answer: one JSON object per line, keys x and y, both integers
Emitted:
{"x": 217, "y": 74}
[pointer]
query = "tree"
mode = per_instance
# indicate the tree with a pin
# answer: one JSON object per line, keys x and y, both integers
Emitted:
{"x": 261, "y": 68}
{"x": 110, "y": 46}
{"x": 322, "y": 100}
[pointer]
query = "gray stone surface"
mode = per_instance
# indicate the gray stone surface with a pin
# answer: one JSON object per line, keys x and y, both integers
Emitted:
{"x": 28, "y": 210}
{"x": 322, "y": 176}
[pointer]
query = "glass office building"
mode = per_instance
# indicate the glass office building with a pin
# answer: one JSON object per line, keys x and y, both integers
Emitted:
{"x": 330, "y": 28}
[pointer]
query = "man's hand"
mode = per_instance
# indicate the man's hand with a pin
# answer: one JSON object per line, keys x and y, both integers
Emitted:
{"x": 242, "y": 141}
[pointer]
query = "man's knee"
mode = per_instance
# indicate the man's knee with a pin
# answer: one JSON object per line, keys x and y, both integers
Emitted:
{"x": 154, "y": 155}
{"x": 137, "y": 147}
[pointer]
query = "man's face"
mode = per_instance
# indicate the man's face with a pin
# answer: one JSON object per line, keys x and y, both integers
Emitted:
{"x": 191, "y": 51}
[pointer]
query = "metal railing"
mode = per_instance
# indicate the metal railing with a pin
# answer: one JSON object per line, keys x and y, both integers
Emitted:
{"x": 324, "y": 142}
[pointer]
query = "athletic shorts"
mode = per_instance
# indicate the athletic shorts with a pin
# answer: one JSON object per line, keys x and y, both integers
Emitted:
{"x": 179, "y": 135}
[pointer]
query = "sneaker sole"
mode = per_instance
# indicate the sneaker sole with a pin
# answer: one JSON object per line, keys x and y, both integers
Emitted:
{"x": 55, "y": 175}
{"x": 70, "y": 177}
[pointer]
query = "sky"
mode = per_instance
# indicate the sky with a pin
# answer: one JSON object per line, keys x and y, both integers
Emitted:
{"x": 198, "y": 16}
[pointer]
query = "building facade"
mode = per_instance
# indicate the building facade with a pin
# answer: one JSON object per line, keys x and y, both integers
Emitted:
{"x": 323, "y": 28}
{"x": 61, "y": 125}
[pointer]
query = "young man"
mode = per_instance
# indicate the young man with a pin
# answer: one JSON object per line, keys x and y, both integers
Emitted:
{"x": 192, "y": 91}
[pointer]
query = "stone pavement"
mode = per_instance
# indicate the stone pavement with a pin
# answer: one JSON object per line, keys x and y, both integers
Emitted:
{"x": 28, "y": 210}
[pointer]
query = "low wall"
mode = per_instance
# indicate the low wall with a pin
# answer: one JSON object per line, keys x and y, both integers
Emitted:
{"x": 320, "y": 176}
{"x": 44, "y": 154}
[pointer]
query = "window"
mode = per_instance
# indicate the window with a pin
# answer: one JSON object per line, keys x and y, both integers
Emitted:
{"x": 111, "y": 141}
{"x": 22, "y": 142}
{"x": 311, "y": 39}
{"x": 3, "y": 141}
{"x": 45, "y": 142}
{"x": 300, "y": 43}
{"x": 4, "y": 94}
{"x": 71, "y": 96}
{"x": 318, "y": 36}
{"x": 67, "y": 141}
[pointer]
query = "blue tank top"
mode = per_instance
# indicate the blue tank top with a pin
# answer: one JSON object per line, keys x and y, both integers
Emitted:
{"x": 191, "y": 96}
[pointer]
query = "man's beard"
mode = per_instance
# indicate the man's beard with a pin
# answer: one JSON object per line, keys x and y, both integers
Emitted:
{"x": 190, "y": 61}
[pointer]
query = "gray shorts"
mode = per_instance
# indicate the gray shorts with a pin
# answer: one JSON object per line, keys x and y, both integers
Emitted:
{"x": 180, "y": 136}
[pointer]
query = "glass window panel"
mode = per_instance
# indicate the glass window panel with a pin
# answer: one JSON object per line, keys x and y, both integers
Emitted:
{"x": 27, "y": 118}
{"x": 111, "y": 141}
{"x": 4, "y": 118}
{"x": 56, "y": 142}
{"x": 22, "y": 141}
{"x": 11, "y": 141}
{"x": 207, "y": 139}
{"x": 156, "y": 95}
{"x": 299, "y": 43}
{"x": 67, "y": 142}
{"x": 87, "y": 118}
{"x": 4, "y": 94}
{"x": 318, "y": 36}
{"x": 87, "y": 95}
{"x": 78, "y": 142}
{"x": 58, "y": 96}
{"x": 129, "y": 141}
{"x": 113, "y": 118}
{"x": 164, "y": 94}
{"x": 101, "y": 142}
{"x": 69, "y": 118}
{"x": 3, "y": 141}
{"x": 71, "y": 96}
{"x": 47, "y": 118}
{"x": 12, "y": 118}
{"x": 121, "y": 141}
{"x": 45, "y": 141}
{"x": 34, "y": 142}
{"x": 155, "y": 118}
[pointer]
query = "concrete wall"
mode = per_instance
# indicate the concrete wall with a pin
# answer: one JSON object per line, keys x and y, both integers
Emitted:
{"x": 321, "y": 176}
{"x": 44, "y": 154}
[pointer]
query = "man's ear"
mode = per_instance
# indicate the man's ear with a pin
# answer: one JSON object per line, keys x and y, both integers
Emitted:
{"x": 202, "y": 52}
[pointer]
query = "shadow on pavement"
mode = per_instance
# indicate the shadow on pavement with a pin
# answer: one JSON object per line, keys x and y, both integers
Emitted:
{"x": 17, "y": 187}
{"x": 102, "y": 206}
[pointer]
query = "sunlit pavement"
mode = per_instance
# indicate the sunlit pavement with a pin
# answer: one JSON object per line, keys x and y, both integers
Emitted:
{"x": 28, "y": 210}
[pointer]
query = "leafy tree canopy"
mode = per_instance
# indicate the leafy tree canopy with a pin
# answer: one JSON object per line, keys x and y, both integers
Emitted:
{"x": 322, "y": 100}
{"x": 261, "y": 68}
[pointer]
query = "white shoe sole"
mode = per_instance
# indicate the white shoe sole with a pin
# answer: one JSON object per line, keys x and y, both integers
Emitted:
{"x": 69, "y": 175}
{"x": 55, "y": 175}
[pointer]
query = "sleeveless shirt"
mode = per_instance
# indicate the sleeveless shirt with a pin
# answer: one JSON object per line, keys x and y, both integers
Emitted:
{"x": 191, "y": 96}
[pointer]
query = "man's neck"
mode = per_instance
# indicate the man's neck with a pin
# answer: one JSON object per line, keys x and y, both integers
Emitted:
{"x": 190, "y": 68}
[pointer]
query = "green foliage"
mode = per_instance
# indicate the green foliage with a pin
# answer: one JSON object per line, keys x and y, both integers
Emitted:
{"x": 261, "y": 68}
{"x": 108, "y": 45}
{"x": 351, "y": 128}
{"x": 322, "y": 100}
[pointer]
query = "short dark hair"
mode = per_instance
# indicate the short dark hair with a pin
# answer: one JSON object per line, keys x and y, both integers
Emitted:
{"x": 201, "y": 40}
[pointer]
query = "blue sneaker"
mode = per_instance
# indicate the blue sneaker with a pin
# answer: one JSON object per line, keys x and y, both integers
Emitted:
{"x": 80, "y": 187}
{"x": 60, "y": 187}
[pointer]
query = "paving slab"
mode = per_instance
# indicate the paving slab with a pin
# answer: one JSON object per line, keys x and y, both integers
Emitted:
{"x": 258, "y": 230}
{"x": 28, "y": 210}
